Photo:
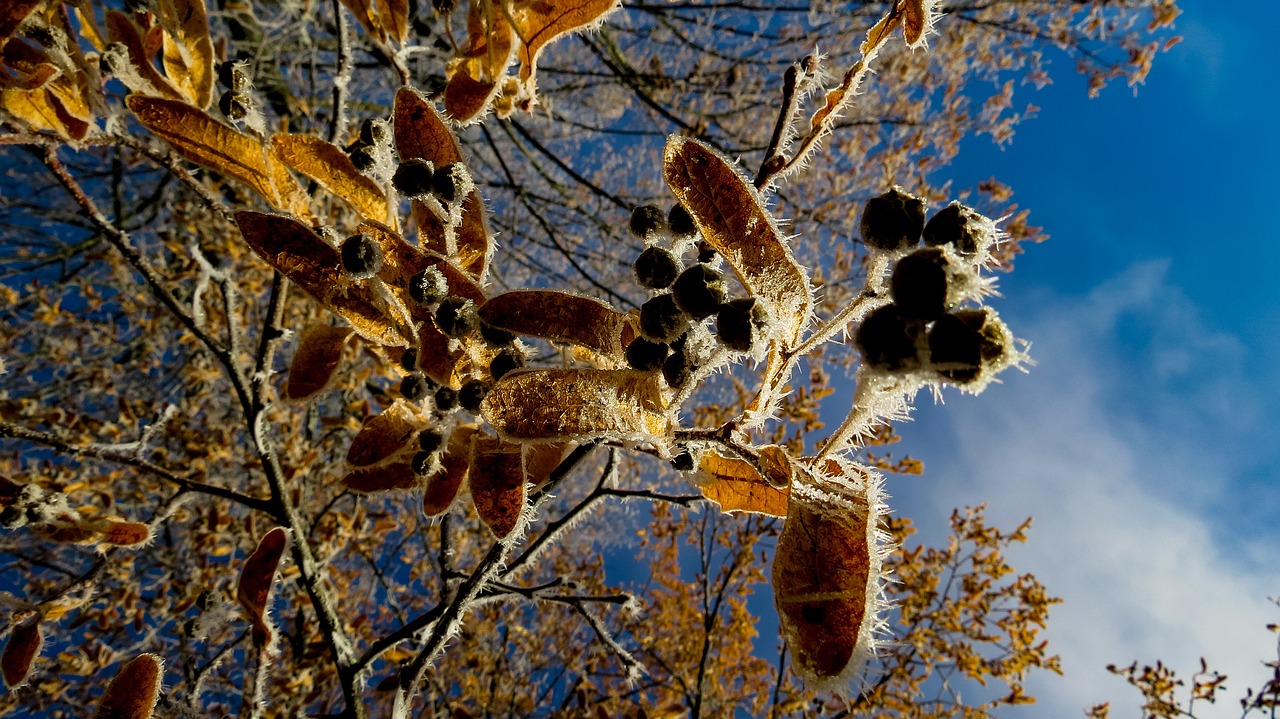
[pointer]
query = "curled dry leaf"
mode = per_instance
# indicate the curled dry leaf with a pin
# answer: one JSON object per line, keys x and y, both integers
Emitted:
{"x": 497, "y": 485}
{"x": 188, "y": 50}
{"x": 560, "y": 317}
{"x": 383, "y": 435}
{"x": 732, "y": 218}
{"x": 318, "y": 355}
{"x": 205, "y": 141}
{"x": 328, "y": 165}
{"x": 124, "y": 534}
{"x": 121, "y": 29}
{"x": 917, "y": 18}
{"x": 737, "y": 486}
{"x": 560, "y": 404}
{"x": 305, "y": 258}
{"x": 540, "y": 460}
{"x": 257, "y": 577}
{"x": 477, "y": 73}
{"x": 538, "y": 24}
{"x": 20, "y": 652}
{"x": 443, "y": 486}
{"x": 134, "y": 691}
{"x": 384, "y": 478}
{"x": 437, "y": 357}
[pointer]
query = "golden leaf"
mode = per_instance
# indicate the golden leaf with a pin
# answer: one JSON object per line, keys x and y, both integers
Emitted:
{"x": 466, "y": 99}
{"x": 560, "y": 317}
{"x": 205, "y": 141}
{"x": 497, "y": 485}
{"x": 42, "y": 110}
{"x": 395, "y": 17}
{"x": 318, "y": 354}
{"x": 437, "y": 358}
{"x": 737, "y": 486}
{"x": 383, "y": 435}
{"x": 388, "y": 477}
{"x": 305, "y": 258}
{"x": 134, "y": 691}
{"x": 124, "y": 534}
{"x": 257, "y": 577}
{"x": 329, "y": 165}
{"x": 368, "y": 16}
{"x": 188, "y": 51}
{"x": 541, "y": 22}
{"x": 122, "y": 30}
{"x": 443, "y": 486}
{"x": 732, "y": 218}
{"x": 401, "y": 261}
{"x": 477, "y": 73}
{"x": 559, "y": 404}
{"x": 540, "y": 460}
{"x": 20, "y": 652}
{"x": 914, "y": 21}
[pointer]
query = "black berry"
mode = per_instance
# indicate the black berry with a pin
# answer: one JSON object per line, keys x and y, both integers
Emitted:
{"x": 887, "y": 340}
{"x": 958, "y": 226}
{"x": 677, "y": 368}
{"x": 372, "y": 132}
{"x": 361, "y": 256}
{"x": 995, "y": 340}
{"x": 681, "y": 223}
{"x": 443, "y": 7}
{"x": 647, "y": 220}
{"x": 955, "y": 349}
{"x": 234, "y": 105}
{"x": 449, "y": 181}
{"x": 699, "y": 291}
{"x": 472, "y": 394}
{"x": 409, "y": 360}
{"x": 660, "y": 319}
{"x": 430, "y": 440}
{"x": 446, "y": 398}
{"x": 919, "y": 284}
{"x": 424, "y": 463}
{"x": 656, "y": 268}
{"x": 504, "y": 362}
{"x": 683, "y": 461}
{"x": 645, "y": 355}
{"x": 362, "y": 157}
{"x": 892, "y": 221}
{"x": 415, "y": 387}
{"x": 740, "y": 323}
{"x": 457, "y": 316}
{"x": 413, "y": 178}
{"x": 706, "y": 252}
{"x": 428, "y": 287}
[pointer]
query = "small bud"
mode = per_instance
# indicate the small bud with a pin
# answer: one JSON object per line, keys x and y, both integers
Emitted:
{"x": 740, "y": 323}
{"x": 661, "y": 320}
{"x": 457, "y": 316}
{"x": 233, "y": 75}
{"x": 656, "y": 268}
{"x": 504, "y": 362}
{"x": 648, "y": 220}
{"x": 409, "y": 360}
{"x": 430, "y": 440}
{"x": 413, "y": 178}
{"x": 699, "y": 291}
{"x": 428, "y": 287}
{"x": 472, "y": 394}
{"x": 361, "y": 256}
{"x": 415, "y": 387}
{"x": 645, "y": 355}
{"x": 446, "y": 398}
{"x": 677, "y": 368}
{"x": 706, "y": 252}
{"x": 887, "y": 340}
{"x": 892, "y": 221}
{"x": 681, "y": 223}
{"x": 449, "y": 182}
{"x": 959, "y": 226}
{"x": 919, "y": 284}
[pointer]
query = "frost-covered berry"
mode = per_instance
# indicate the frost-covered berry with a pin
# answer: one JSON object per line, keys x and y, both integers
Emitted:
{"x": 495, "y": 336}
{"x": 706, "y": 252}
{"x": 428, "y": 287}
{"x": 456, "y": 316}
{"x": 450, "y": 181}
{"x": 415, "y": 387}
{"x": 446, "y": 398}
{"x": 425, "y": 463}
{"x": 504, "y": 362}
{"x": 645, "y": 355}
{"x": 887, "y": 340}
{"x": 699, "y": 291}
{"x": 656, "y": 268}
{"x": 234, "y": 105}
{"x": 681, "y": 223}
{"x": 661, "y": 320}
{"x": 677, "y": 368}
{"x": 409, "y": 360}
{"x": 740, "y": 323}
{"x": 955, "y": 349}
{"x": 892, "y": 221}
{"x": 647, "y": 220}
{"x": 373, "y": 132}
{"x": 361, "y": 256}
{"x": 995, "y": 335}
{"x": 362, "y": 157}
{"x": 472, "y": 393}
{"x": 919, "y": 284}
{"x": 683, "y": 461}
{"x": 430, "y": 440}
{"x": 413, "y": 178}
{"x": 959, "y": 226}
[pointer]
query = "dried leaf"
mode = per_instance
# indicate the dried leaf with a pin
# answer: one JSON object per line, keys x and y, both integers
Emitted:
{"x": 538, "y": 24}
{"x": 125, "y": 534}
{"x": 395, "y": 17}
{"x": 466, "y": 99}
{"x": 12, "y": 14}
{"x": 388, "y": 477}
{"x": 559, "y": 404}
{"x": 188, "y": 51}
{"x": 205, "y": 141}
{"x": 737, "y": 486}
{"x": 437, "y": 358}
{"x": 134, "y": 691}
{"x": 329, "y": 165}
{"x": 442, "y": 487}
{"x": 497, "y": 485}
{"x": 560, "y": 317}
{"x": 123, "y": 30}
{"x": 733, "y": 219}
{"x": 383, "y": 435}
{"x": 915, "y": 20}
{"x": 42, "y": 110}
{"x": 20, "y": 652}
{"x": 305, "y": 258}
{"x": 368, "y": 16}
{"x": 257, "y": 577}
{"x": 401, "y": 261}
{"x": 477, "y": 73}
{"x": 540, "y": 460}
{"x": 318, "y": 355}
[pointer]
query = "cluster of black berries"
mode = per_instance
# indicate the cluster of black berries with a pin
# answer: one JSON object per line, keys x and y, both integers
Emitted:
{"x": 684, "y": 297}
{"x": 418, "y": 178}
{"x": 235, "y": 104}
{"x": 921, "y": 328}
{"x": 363, "y": 153}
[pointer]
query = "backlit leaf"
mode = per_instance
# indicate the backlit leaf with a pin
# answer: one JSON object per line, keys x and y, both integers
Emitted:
{"x": 560, "y": 317}
{"x": 383, "y": 435}
{"x": 366, "y": 13}
{"x": 20, "y": 652}
{"x": 318, "y": 355}
{"x": 42, "y": 110}
{"x": 188, "y": 51}
{"x": 558, "y": 404}
{"x": 257, "y": 577}
{"x": 401, "y": 261}
{"x": 443, "y": 486}
{"x": 737, "y": 486}
{"x": 397, "y": 475}
{"x": 134, "y": 691}
{"x": 121, "y": 29}
{"x": 328, "y": 165}
{"x": 540, "y": 23}
{"x": 915, "y": 21}
{"x": 482, "y": 62}
{"x": 12, "y": 14}
{"x": 124, "y": 534}
{"x": 497, "y": 485}
{"x": 437, "y": 358}
{"x": 540, "y": 460}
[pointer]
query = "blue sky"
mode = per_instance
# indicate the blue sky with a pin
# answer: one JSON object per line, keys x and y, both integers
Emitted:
{"x": 1143, "y": 440}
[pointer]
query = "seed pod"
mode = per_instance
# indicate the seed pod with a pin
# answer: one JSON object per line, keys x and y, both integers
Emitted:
{"x": 959, "y": 226}
{"x": 887, "y": 340}
{"x": 430, "y": 440}
{"x": 740, "y": 323}
{"x": 415, "y": 387}
{"x": 362, "y": 157}
{"x": 446, "y": 398}
{"x": 444, "y": 7}
{"x": 233, "y": 76}
{"x": 472, "y": 394}
{"x": 919, "y": 284}
{"x": 995, "y": 335}
{"x": 699, "y": 291}
{"x": 424, "y": 463}
{"x": 647, "y": 220}
{"x": 414, "y": 177}
{"x": 428, "y": 287}
{"x": 234, "y": 105}
{"x": 450, "y": 182}
{"x": 645, "y": 355}
{"x": 656, "y": 268}
{"x": 504, "y": 362}
{"x": 457, "y": 316}
{"x": 955, "y": 349}
{"x": 677, "y": 368}
{"x": 706, "y": 252}
{"x": 892, "y": 221}
{"x": 374, "y": 132}
{"x": 681, "y": 223}
{"x": 361, "y": 256}
{"x": 660, "y": 319}
{"x": 409, "y": 360}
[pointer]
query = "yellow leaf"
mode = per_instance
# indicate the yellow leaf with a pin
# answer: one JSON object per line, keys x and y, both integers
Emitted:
{"x": 477, "y": 73}
{"x": 188, "y": 51}
{"x": 124, "y": 534}
{"x": 41, "y": 110}
{"x": 133, "y": 693}
{"x": 497, "y": 485}
{"x": 538, "y": 23}
{"x": 394, "y": 15}
{"x": 737, "y": 486}
{"x": 560, "y": 404}
{"x": 329, "y": 165}
{"x": 560, "y": 317}
{"x": 318, "y": 354}
{"x": 123, "y": 30}
{"x": 368, "y": 16}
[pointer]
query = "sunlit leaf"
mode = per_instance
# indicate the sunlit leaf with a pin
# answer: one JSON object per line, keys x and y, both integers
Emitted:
{"x": 384, "y": 478}
{"x": 318, "y": 354}
{"x": 328, "y": 165}
{"x": 20, "y": 652}
{"x": 401, "y": 261}
{"x": 443, "y": 486}
{"x": 541, "y": 22}
{"x": 540, "y": 460}
{"x": 395, "y": 17}
{"x": 482, "y": 62}
{"x": 124, "y": 534}
{"x": 257, "y": 577}
{"x": 42, "y": 110}
{"x": 497, "y": 485}
{"x": 188, "y": 51}
{"x": 121, "y": 29}
{"x": 134, "y": 691}
{"x": 12, "y": 14}
{"x": 383, "y": 435}
{"x": 560, "y": 317}
{"x": 559, "y": 404}
{"x": 366, "y": 13}
{"x": 737, "y": 486}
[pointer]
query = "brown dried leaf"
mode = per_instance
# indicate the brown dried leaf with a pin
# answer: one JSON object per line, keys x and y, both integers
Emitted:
{"x": 733, "y": 219}
{"x": 257, "y": 577}
{"x": 329, "y": 165}
{"x": 394, "y": 15}
{"x": 442, "y": 487}
{"x": 12, "y": 14}
{"x": 383, "y": 435}
{"x": 560, "y": 317}
{"x": 121, "y": 29}
{"x": 401, "y": 261}
{"x": 205, "y": 141}
{"x": 318, "y": 355}
{"x": 736, "y": 486}
{"x": 538, "y": 24}
{"x": 134, "y": 691}
{"x": 20, "y": 652}
{"x": 305, "y": 258}
{"x": 914, "y": 21}
{"x": 188, "y": 51}
{"x": 437, "y": 358}
{"x": 466, "y": 99}
{"x": 540, "y": 460}
{"x": 559, "y": 404}
{"x": 368, "y": 16}
{"x": 388, "y": 477}
{"x": 125, "y": 534}
{"x": 477, "y": 73}
{"x": 497, "y": 485}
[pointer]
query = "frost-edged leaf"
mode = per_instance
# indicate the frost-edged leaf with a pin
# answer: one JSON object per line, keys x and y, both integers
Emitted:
{"x": 188, "y": 50}
{"x": 437, "y": 358}
{"x": 560, "y": 317}
{"x": 121, "y": 29}
{"x": 541, "y": 459}
{"x": 318, "y": 355}
{"x": 917, "y": 18}
{"x": 559, "y": 404}
{"x": 41, "y": 109}
{"x": 328, "y": 165}
{"x": 124, "y": 534}
{"x": 737, "y": 486}
{"x": 302, "y": 256}
{"x": 384, "y": 478}
{"x": 12, "y": 14}
{"x": 497, "y": 485}
{"x": 205, "y": 141}
{"x": 134, "y": 691}
{"x": 732, "y": 217}
{"x": 383, "y": 435}
{"x": 538, "y": 24}
{"x": 482, "y": 63}
{"x": 257, "y": 577}
{"x": 20, "y": 652}
{"x": 401, "y": 261}
{"x": 443, "y": 486}
{"x": 367, "y": 14}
